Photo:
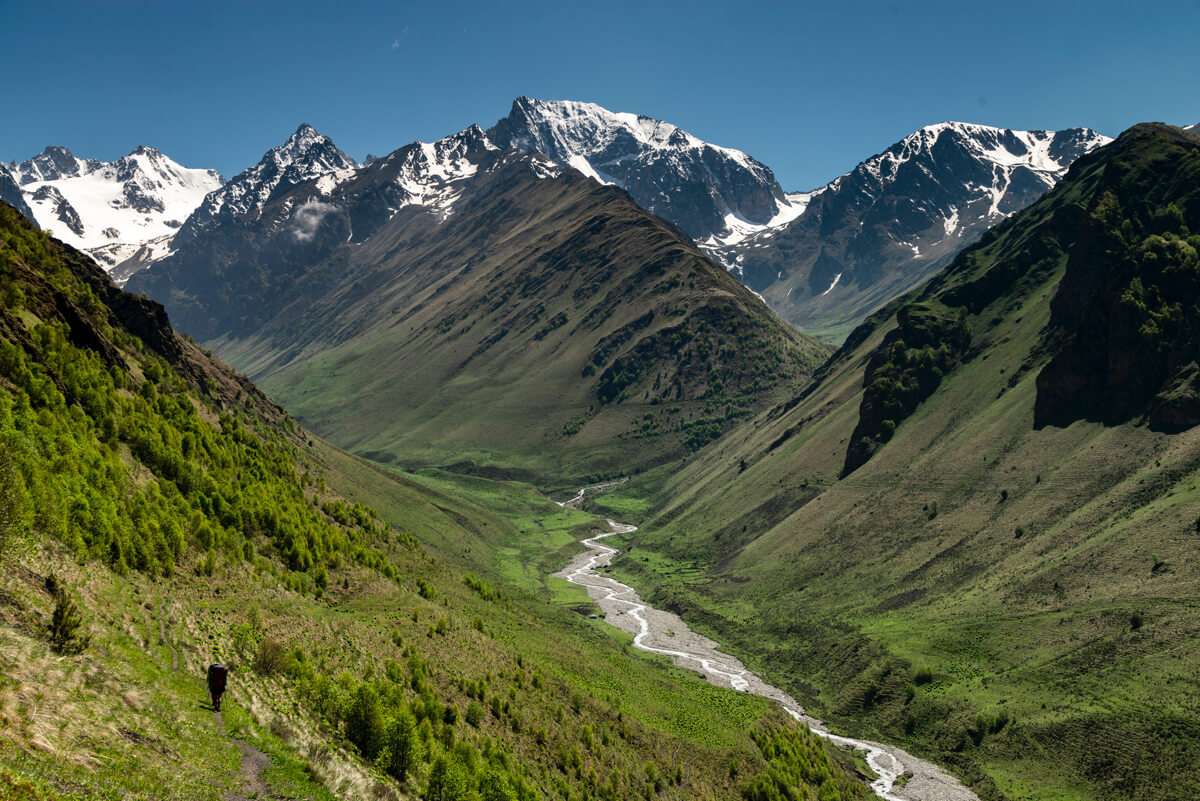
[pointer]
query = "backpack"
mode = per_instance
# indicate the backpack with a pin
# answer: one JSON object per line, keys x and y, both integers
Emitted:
{"x": 216, "y": 676}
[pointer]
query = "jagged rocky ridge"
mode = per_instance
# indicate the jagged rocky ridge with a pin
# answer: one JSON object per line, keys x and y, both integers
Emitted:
{"x": 296, "y": 207}
{"x": 305, "y": 155}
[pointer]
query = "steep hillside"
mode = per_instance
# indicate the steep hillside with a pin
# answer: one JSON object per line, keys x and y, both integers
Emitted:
{"x": 976, "y": 532}
{"x": 898, "y": 218}
{"x": 159, "y": 513}
{"x": 459, "y": 305}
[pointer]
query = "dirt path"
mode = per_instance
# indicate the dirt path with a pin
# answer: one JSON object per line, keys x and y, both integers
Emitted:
{"x": 665, "y": 633}
{"x": 254, "y": 762}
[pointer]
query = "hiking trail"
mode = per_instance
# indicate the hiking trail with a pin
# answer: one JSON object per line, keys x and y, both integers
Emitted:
{"x": 254, "y": 762}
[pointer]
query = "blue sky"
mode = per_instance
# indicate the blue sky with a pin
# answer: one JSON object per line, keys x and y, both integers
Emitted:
{"x": 808, "y": 88}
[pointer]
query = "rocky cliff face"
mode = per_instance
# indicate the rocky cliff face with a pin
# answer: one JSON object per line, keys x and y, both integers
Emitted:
{"x": 10, "y": 192}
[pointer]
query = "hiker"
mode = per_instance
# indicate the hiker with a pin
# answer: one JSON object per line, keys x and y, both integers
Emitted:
{"x": 216, "y": 684}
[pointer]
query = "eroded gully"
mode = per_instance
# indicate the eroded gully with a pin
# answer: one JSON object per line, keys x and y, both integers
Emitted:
{"x": 665, "y": 633}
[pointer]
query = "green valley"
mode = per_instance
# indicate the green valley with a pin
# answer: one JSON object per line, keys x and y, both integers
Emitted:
{"x": 671, "y": 401}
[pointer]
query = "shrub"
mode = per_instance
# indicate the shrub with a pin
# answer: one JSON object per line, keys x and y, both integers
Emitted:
{"x": 475, "y": 713}
{"x": 64, "y": 627}
{"x": 402, "y": 746}
{"x": 364, "y": 722}
{"x": 269, "y": 659}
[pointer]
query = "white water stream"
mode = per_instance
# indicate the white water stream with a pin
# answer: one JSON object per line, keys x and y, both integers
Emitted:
{"x": 665, "y": 633}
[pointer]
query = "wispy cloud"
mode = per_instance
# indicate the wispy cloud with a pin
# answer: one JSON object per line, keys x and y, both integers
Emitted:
{"x": 307, "y": 218}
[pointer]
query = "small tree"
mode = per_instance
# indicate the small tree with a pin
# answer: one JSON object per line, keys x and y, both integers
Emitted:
{"x": 64, "y": 627}
{"x": 448, "y": 781}
{"x": 403, "y": 745}
{"x": 364, "y": 722}
{"x": 494, "y": 786}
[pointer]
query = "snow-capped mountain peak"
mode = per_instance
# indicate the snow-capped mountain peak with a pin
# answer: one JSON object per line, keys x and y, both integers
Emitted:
{"x": 707, "y": 190}
{"x": 111, "y": 209}
{"x": 1045, "y": 153}
{"x": 52, "y": 164}
{"x": 307, "y": 154}
{"x": 899, "y": 217}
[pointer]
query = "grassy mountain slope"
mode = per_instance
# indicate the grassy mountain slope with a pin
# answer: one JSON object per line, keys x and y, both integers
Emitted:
{"x": 548, "y": 327}
{"x": 160, "y": 513}
{"x": 976, "y": 532}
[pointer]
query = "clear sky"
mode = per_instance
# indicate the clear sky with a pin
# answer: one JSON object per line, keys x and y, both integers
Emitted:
{"x": 808, "y": 88}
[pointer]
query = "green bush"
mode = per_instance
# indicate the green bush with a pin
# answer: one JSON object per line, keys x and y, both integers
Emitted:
{"x": 65, "y": 623}
{"x": 474, "y": 713}
{"x": 364, "y": 722}
{"x": 270, "y": 657}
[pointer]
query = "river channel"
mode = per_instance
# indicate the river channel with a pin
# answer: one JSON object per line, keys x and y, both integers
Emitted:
{"x": 665, "y": 633}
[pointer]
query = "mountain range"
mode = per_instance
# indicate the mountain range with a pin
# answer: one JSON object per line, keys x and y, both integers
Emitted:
{"x": 822, "y": 259}
{"x": 419, "y": 307}
{"x": 307, "y": 236}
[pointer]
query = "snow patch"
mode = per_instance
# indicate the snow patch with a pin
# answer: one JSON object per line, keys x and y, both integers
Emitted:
{"x": 738, "y": 229}
{"x": 950, "y": 224}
